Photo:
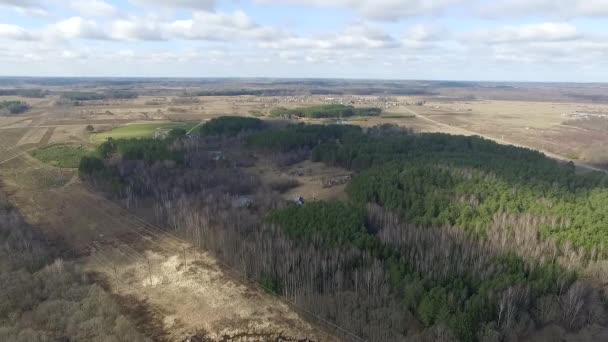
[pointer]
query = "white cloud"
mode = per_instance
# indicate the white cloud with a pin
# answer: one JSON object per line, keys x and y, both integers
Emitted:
{"x": 425, "y": 33}
{"x": 15, "y": 32}
{"x": 94, "y": 8}
{"x": 543, "y": 8}
{"x": 361, "y": 36}
{"x": 193, "y": 4}
{"x": 28, "y": 7}
{"x": 203, "y": 26}
{"x": 20, "y": 3}
{"x": 137, "y": 29}
{"x": 399, "y": 9}
{"x": 76, "y": 28}
{"x": 195, "y": 36}
{"x": 376, "y": 9}
{"x": 222, "y": 26}
{"x": 545, "y": 32}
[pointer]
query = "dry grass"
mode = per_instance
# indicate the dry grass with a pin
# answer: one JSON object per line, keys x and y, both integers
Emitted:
{"x": 32, "y": 136}
{"x": 309, "y": 177}
{"x": 195, "y": 297}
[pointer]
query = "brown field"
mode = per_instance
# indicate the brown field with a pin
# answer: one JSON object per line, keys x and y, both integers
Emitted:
{"x": 33, "y": 136}
{"x": 135, "y": 261}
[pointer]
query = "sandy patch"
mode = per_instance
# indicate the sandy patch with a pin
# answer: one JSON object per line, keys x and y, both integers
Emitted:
{"x": 194, "y": 294}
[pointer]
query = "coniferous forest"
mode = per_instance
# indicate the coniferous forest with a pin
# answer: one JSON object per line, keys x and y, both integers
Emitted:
{"x": 441, "y": 238}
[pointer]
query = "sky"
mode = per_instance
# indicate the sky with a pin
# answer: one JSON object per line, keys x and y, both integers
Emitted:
{"x": 498, "y": 40}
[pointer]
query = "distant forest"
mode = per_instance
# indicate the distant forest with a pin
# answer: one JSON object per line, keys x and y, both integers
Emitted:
{"x": 442, "y": 237}
{"x": 13, "y": 107}
{"x": 325, "y": 111}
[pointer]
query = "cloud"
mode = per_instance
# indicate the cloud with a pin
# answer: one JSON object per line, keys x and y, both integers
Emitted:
{"x": 192, "y": 4}
{"x": 545, "y": 32}
{"x": 20, "y": 3}
{"x": 362, "y": 36}
{"x": 14, "y": 32}
{"x": 543, "y": 8}
{"x": 400, "y": 9}
{"x": 94, "y": 8}
{"x": 376, "y": 9}
{"x": 76, "y": 28}
{"x": 221, "y": 27}
{"x": 425, "y": 33}
{"x": 138, "y": 29}
{"x": 203, "y": 25}
{"x": 28, "y": 7}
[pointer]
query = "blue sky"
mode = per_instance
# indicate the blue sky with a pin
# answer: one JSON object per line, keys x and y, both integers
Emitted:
{"x": 519, "y": 40}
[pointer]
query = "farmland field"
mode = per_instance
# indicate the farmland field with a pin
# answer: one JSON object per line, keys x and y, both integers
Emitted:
{"x": 41, "y": 149}
{"x": 62, "y": 156}
{"x": 140, "y": 130}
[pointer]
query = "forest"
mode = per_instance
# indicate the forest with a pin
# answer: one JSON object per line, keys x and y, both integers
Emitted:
{"x": 442, "y": 237}
{"x": 13, "y": 107}
{"x": 31, "y": 93}
{"x": 76, "y": 97}
{"x": 230, "y": 125}
{"x": 46, "y": 297}
{"x": 325, "y": 111}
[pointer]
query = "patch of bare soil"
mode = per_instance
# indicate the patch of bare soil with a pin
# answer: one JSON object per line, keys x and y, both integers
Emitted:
{"x": 179, "y": 293}
{"x": 316, "y": 181}
{"x": 191, "y": 295}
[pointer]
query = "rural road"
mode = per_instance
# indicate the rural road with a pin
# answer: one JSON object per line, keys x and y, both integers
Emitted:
{"x": 504, "y": 142}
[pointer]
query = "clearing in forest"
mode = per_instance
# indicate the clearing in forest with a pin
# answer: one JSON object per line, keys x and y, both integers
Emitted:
{"x": 144, "y": 130}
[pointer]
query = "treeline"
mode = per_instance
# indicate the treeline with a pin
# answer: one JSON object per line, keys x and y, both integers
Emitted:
{"x": 241, "y": 92}
{"x": 31, "y": 93}
{"x": 325, "y": 111}
{"x": 439, "y": 179}
{"x": 300, "y": 136}
{"x": 230, "y": 125}
{"x": 13, "y": 107}
{"x": 443, "y": 237}
{"x": 77, "y": 97}
{"x": 45, "y": 298}
{"x": 129, "y": 150}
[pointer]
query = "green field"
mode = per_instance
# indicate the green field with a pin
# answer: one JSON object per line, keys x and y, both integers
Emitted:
{"x": 145, "y": 130}
{"x": 63, "y": 156}
{"x": 396, "y": 116}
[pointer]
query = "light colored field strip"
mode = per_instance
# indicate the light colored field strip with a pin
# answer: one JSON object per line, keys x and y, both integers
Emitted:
{"x": 503, "y": 142}
{"x": 17, "y": 155}
{"x": 33, "y": 136}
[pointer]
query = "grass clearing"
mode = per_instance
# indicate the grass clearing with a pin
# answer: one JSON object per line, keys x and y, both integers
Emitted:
{"x": 62, "y": 156}
{"x": 145, "y": 130}
{"x": 396, "y": 116}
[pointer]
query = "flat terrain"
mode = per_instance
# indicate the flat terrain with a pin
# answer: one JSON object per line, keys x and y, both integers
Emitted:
{"x": 193, "y": 294}
{"x": 140, "y": 130}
